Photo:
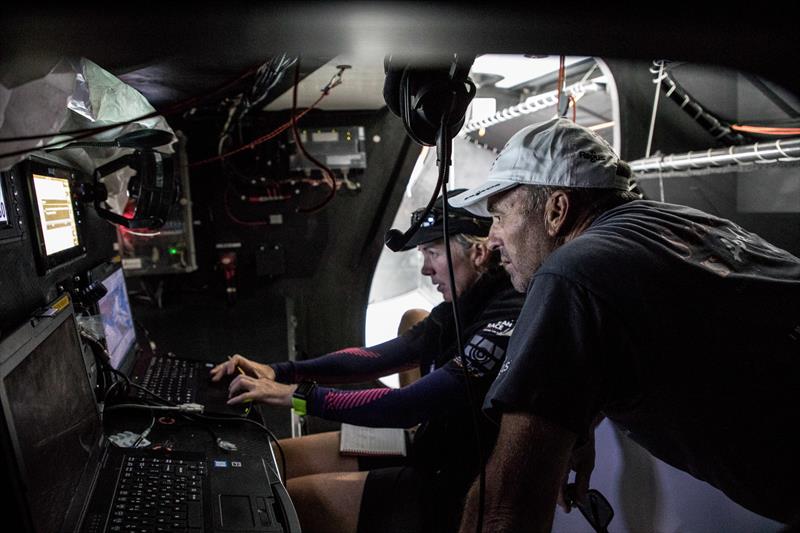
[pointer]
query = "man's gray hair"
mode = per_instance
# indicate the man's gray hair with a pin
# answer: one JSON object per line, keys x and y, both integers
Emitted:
{"x": 589, "y": 202}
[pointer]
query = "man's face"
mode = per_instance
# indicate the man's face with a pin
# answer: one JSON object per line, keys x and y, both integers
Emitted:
{"x": 521, "y": 238}
{"x": 434, "y": 264}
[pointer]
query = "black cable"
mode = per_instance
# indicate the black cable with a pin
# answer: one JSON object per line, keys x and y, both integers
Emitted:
{"x": 86, "y": 132}
{"x": 718, "y": 128}
{"x": 267, "y": 77}
{"x": 249, "y": 421}
{"x": 444, "y": 144}
{"x": 207, "y": 417}
{"x": 129, "y": 383}
{"x": 103, "y": 361}
{"x": 144, "y": 433}
{"x": 326, "y": 172}
{"x": 125, "y": 379}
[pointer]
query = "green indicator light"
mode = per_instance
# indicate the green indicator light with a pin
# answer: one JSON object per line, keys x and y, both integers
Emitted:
{"x": 172, "y": 251}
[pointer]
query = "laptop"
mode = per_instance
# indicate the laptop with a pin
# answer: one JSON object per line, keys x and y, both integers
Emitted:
{"x": 64, "y": 475}
{"x": 177, "y": 379}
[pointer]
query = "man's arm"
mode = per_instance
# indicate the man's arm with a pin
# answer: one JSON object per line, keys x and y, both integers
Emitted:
{"x": 523, "y": 476}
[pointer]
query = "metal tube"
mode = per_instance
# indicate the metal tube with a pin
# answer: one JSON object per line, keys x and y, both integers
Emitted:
{"x": 783, "y": 150}
{"x": 530, "y": 105}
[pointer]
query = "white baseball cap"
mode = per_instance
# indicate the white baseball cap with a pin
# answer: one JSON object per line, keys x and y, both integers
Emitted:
{"x": 556, "y": 153}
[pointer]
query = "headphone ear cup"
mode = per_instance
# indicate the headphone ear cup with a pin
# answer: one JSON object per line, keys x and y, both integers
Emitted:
{"x": 391, "y": 85}
{"x": 463, "y": 93}
{"x": 421, "y": 97}
{"x": 417, "y": 124}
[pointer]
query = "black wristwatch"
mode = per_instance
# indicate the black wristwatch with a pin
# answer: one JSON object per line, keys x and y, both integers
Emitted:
{"x": 301, "y": 395}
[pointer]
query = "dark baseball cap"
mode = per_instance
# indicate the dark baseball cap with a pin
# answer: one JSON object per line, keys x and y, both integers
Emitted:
{"x": 459, "y": 220}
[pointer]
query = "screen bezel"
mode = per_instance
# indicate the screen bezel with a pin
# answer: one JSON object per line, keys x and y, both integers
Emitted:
{"x": 42, "y": 167}
{"x": 14, "y": 349}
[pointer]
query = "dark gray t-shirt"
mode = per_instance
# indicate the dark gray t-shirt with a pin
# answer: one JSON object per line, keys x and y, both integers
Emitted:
{"x": 682, "y": 328}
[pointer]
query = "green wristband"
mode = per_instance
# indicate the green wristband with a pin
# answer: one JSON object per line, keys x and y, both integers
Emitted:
{"x": 300, "y": 397}
{"x": 299, "y": 406}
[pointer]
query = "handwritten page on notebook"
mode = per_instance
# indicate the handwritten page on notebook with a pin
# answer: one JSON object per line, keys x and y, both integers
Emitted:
{"x": 358, "y": 440}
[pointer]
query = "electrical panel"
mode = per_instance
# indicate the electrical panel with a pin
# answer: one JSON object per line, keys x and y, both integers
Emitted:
{"x": 169, "y": 249}
{"x": 338, "y": 148}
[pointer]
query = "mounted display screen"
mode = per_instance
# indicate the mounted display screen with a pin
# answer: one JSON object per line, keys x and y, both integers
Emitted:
{"x": 56, "y": 214}
{"x": 58, "y": 224}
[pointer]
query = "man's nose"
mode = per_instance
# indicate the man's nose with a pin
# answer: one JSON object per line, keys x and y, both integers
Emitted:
{"x": 493, "y": 241}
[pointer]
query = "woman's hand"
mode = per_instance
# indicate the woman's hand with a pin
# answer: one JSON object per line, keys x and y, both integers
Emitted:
{"x": 263, "y": 390}
{"x": 241, "y": 365}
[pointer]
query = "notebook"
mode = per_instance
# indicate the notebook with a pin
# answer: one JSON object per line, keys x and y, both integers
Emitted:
{"x": 359, "y": 440}
{"x": 177, "y": 379}
{"x": 67, "y": 477}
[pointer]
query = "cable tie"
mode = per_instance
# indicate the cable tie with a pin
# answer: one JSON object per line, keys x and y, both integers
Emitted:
{"x": 672, "y": 162}
{"x": 758, "y": 155}
{"x": 689, "y": 159}
{"x": 671, "y": 89}
{"x": 730, "y": 152}
{"x": 786, "y": 157}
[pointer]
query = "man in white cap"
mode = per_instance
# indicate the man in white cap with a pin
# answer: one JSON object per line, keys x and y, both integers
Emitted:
{"x": 679, "y": 326}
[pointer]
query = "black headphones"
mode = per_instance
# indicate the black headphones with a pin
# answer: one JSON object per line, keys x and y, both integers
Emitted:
{"x": 154, "y": 188}
{"x": 422, "y": 95}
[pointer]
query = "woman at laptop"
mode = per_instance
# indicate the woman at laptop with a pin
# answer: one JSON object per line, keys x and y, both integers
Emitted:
{"x": 424, "y": 490}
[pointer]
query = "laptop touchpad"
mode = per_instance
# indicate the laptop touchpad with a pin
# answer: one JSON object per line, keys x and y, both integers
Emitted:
{"x": 236, "y": 512}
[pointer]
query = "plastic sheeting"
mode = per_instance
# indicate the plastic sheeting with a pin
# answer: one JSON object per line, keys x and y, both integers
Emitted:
{"x": 75, "y": 94}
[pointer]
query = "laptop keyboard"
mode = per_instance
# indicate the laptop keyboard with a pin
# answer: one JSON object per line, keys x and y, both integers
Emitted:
{"x": 156, "y": 494}
{"x": 173, "y": 379}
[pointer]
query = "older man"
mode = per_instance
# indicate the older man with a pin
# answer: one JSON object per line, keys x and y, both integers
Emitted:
{"x": 679, "y": 326}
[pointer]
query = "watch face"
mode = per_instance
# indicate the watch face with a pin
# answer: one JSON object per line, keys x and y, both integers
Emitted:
{"x": 303, "y": 389}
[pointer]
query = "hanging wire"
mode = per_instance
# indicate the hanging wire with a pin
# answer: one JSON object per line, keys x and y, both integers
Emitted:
{"x": 266, "y": 78}
{"x": 560, "y": 83}
{"x": 532, "y": 104}
{"x": 326, "y": 172}
{"x": 657, "y": 82}
{"x": 335, "y": 80}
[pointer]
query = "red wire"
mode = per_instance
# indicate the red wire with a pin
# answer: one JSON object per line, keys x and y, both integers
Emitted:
{"x": 233, "y": 218}
{"x": 326, "y": 172}
{"x": 560, "y": 81}
{"x": 255, "y": 142}
{"x": 766, "y": 130}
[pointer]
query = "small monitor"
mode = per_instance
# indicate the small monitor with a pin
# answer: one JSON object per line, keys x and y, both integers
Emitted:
{"x": 115, "y": 312}
{"x": 49, "y": 417}
{"x": 55, "y": 211}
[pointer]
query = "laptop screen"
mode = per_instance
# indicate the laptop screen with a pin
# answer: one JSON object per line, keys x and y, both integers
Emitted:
{"x": 115, "y": 311}
{"x": 51, "y": 416}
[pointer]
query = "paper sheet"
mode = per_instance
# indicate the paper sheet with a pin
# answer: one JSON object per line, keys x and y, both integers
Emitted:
{"x": 358, "y": 440}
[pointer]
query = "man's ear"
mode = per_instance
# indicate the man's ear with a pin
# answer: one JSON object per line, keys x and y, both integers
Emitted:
{"x": 555, "y": 213}
{"x": 479, "y": 254}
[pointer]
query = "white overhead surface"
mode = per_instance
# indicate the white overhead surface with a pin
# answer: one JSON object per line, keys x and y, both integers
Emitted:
{"x": 361, "y": 88}
{"x": 362, "y": 84}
